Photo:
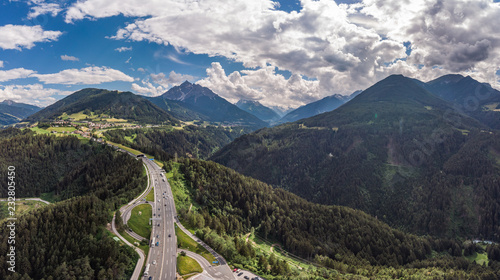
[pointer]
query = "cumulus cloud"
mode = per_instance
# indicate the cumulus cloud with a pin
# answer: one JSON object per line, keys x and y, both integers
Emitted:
{"x": 69, "y": 58}
{"x": 170, "y": 80}
{"x": 22, "y": 36}
{"x": 149, "y": 89}
{"x": 86, "y": 76}
{"x": 123, "y": 49}
{"x": 44, "y": 8}
{"x": 34, "y": 94}
{"x": 157, "y": 84}
{"x": 17, "y": 73}
{"x": 345, "y": 47}
{"x": 263, "y": 85}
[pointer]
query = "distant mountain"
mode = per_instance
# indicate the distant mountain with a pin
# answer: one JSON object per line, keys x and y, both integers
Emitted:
{"x": 257, "y": 109}
{"x": 178, "y": 109}
{"x": 396, "y": 151}
{"x": 326, "y": 104}
{"x": 204, "y": 104}
{"x": 124, "y": 105}
{"x": 12, "y": 112}
{"x": 478, "y": 100}
{"x": 281, "y": 111}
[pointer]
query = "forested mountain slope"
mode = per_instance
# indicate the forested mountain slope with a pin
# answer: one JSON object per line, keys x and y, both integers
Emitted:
{"x": 67, "y": 239}
{"x": 190, "y": 141}
{"x": 396, "y": 151}
{"x": 231, "y": 205}
{"x": 478, "y": 100}
{"x": 120, "y": 105}
{"x": 12, "y": 112}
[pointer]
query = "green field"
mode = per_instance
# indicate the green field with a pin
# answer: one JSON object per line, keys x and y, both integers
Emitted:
{"x": 186, "y": 242}
{"x": 481, "y": 259}
{"x": 151, "y": 195}
{"x": 187, "y": 265}
{"x": 22, "y": 206}
{"x": 139, "y": 220}
{"x": 39, "y": 130}
{"x": 62, "y": 129}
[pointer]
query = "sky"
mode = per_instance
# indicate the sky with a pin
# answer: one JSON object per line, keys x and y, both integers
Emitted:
{"x": 281, "y": 53}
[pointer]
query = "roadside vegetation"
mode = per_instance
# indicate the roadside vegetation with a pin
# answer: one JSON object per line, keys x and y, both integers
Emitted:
{"x": 187, "y": 266}
{"x": 186, "y": 242}
{"x": 139, "y": 220}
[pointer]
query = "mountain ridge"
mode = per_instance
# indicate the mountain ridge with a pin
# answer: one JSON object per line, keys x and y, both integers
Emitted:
{"x": 125, "y": 105}
{"x": 12, "y": 112}
{"x": 396, "y": 151}
{"x": 257, "y": 109}
{"x": 209, "y": 106}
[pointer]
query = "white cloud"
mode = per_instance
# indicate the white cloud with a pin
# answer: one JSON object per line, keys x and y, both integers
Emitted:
{"x": 44, "y": 8}
{"x": 149, "y": 89}
{"x": 34, "y": 94}
{"x": 87, "y": 76}
{"x": 170, "y": 80}
{"x": 157, "y": 84}
{"x": 69, "y": 58}
{"x": 263, "y": 85}
{"x": 1, "y": 64}
{"x": 17, "y": 73}
{"x": 345, "y": 47}
{"x": 22, "y": 36}
{"x": 123, "y": 49}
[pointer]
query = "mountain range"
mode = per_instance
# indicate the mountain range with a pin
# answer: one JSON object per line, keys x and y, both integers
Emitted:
{"x": 257, "y": 109}
{"x": 12, "y": 112}
{"x": 192, "y": 100}
{"x": 326, "y": 104}
{"x": 121, "y": 105}
{"x": 397, "y": 151}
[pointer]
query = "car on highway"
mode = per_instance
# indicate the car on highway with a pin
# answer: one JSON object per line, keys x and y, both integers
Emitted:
{"x": 158, "y": 224}
{"x": 241, "y": 273}
{"x": 154, "y": 262}
{"x": 169, "y": 235}
{"x": 246, "y": 277}
{"x": 157, "y": 236}
{"x": 234, "y": 270}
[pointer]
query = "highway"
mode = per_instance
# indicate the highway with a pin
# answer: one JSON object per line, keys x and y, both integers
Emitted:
{"x": 162, "y": 258}
{"x": 138, "y": 266}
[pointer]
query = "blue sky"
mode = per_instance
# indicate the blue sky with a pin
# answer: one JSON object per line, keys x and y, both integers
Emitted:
{"x": 282, "y": 54}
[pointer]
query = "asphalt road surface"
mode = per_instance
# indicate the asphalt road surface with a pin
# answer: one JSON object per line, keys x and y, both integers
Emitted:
{"x": 162, "y": 258}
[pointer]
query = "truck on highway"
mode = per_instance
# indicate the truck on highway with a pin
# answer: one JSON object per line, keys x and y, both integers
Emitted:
{"x": 146, "y": 271}
{"x": 153, "y": 242}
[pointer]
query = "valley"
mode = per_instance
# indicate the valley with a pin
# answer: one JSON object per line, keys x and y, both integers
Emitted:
{"x": 388, "y": 185}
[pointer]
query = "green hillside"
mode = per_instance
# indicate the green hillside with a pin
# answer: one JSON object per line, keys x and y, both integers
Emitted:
{"x": 395, "y": 151}
{"x": 68, "y": 239}
{"x": 349, "y": 242}
{"x": 120, "y": 105}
